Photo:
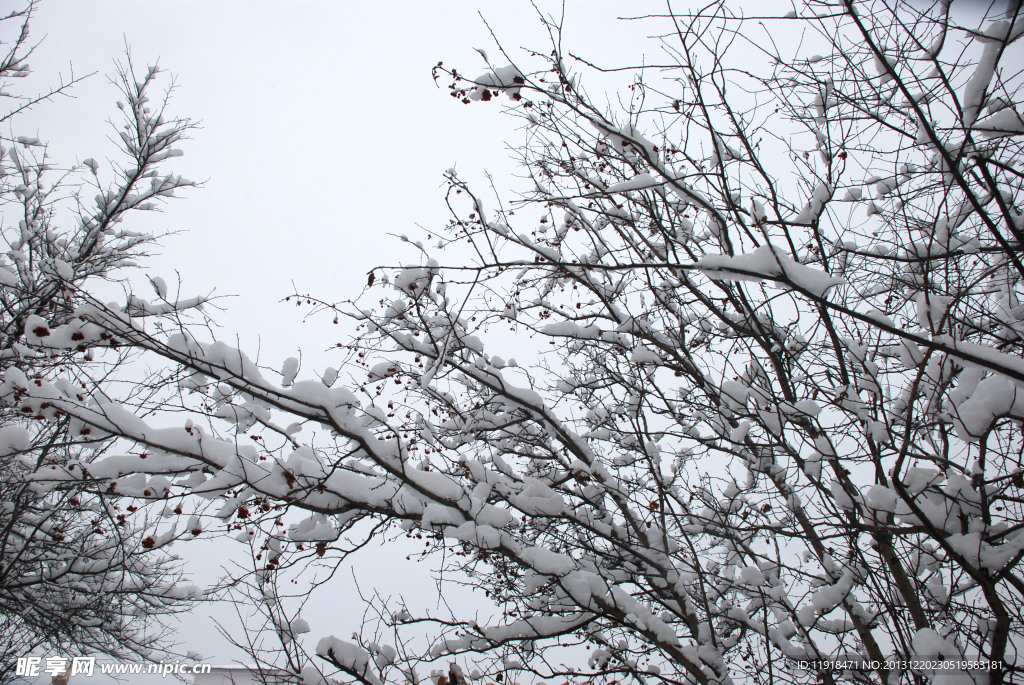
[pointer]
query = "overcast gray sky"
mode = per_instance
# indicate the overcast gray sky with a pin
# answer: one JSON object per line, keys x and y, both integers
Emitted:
{"x": 322, "y": 130}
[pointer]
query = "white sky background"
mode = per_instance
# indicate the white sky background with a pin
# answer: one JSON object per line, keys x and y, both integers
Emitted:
{"x": 321, "y": 133}
{"x": 322, "y": 130}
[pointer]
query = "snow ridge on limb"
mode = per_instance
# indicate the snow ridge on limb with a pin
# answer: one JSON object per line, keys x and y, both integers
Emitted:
{"x": 768, "y": 263}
